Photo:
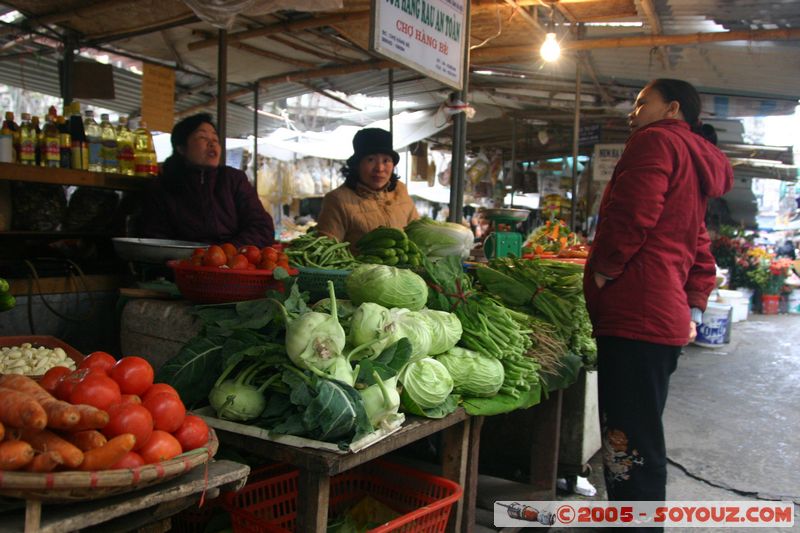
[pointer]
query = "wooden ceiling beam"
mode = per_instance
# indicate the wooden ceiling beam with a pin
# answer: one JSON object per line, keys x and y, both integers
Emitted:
{"x": 144, "y": 29}
{"x": 502, "y": 52}
{"x": 532, "y": 22}
{"x": 328, "y": 94}
{"x": 307, "y": 49}
{"x": 285, "y": 27}
{"x": 651, "y": 15}
{"x": 296, "y": 77}
{"x": 85, "y": 11}
{"x": 272, "y": 55}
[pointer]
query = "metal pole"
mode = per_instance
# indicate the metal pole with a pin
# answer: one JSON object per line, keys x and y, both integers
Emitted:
{"x": 67, "y": 68}
{"x": 391, "y": 101}
{"x": 460, "y": 137}
{"x": 222, "y": 89}
{"x": 513, "y": 172}
{"x": 575, "y": 140}
{"x": 255, "y": 134}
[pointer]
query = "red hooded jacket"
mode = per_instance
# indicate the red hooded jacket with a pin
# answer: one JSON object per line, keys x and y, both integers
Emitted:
{"x": 651, "y": 237}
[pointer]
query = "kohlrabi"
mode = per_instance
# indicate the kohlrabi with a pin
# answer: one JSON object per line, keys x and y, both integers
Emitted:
{"x": 381, "y": 400}
{"x": 315, "y": 341}
{"x": 237, "y": 399}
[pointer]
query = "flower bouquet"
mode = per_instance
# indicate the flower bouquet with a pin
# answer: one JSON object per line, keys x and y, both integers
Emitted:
{"x": 769, "y": 277}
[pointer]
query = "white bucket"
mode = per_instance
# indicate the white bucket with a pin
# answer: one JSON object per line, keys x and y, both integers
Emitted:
{"x": 715, "y": 329}
{"x": 748, "y": 293}
{"x": 794, "y": 302}
{"x": 739, "y": 301}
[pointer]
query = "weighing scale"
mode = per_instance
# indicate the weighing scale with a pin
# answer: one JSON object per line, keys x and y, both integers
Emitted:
{"x": 500, "y": 242}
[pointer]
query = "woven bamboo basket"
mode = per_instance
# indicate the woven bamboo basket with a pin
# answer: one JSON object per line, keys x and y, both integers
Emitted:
{"x": 65, "y": 487}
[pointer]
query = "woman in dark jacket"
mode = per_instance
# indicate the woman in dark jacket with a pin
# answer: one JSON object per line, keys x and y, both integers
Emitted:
{"x": 649, "y": 275}
{"x": 196, "y": 199}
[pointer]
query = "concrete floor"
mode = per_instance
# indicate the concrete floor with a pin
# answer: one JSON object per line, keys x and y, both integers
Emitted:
{"x": 732, "y": 419}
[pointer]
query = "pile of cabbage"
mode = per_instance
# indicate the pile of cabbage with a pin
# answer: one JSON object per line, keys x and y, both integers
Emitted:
{"x": 391, "y": 308}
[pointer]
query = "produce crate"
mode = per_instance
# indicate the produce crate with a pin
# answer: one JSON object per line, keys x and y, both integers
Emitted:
{"x": 214, "y": 285}
{"x": 423, "y": 500}
{"x": 315, "y": 281}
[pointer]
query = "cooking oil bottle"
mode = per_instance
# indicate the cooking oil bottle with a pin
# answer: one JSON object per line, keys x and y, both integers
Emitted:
{"x": 51, "y": 148}
{"x": 80, "y": 148}
{"x": 109, "y": 138}
{"x": 64, "y": 142}
{"x": 94, "y": 138}
{"x": 144, "y": 151}
{"x": 125, "y": 154}
{"x": 27, "y": 141}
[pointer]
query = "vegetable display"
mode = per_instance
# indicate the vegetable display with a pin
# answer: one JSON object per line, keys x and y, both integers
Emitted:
{"x": 318, "y": 251}
{"x": 473, "y": 374}
{"x": 440, "y": 239}
{"x": 40, "y": 432}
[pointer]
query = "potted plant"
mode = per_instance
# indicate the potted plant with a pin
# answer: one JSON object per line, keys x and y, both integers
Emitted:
{"x": 769, "y": 277}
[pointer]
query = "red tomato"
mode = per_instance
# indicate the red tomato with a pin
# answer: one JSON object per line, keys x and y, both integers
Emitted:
{"x": 167, "y": 410}
{"x": 269, "y": 252}
{"x": 196, "y": 260}
{"x": 252, "y": 253}
{"x": 51, "y": 378}
{"x": 161, "y": 446}
{"x": 267, "y": 264}
{"x": 199, "y": 252}
{"x": 229, "y": 249}
{"x": 215, "y": 256}
{"x": 97, "y": 390}
{"x": 130, "y": 398}
{"x": 193, "y": 433}
{"x": 133, "y": 374}
{"x": 99, "y": 360}
{"x": 68, "y": 382}
{"x": 251, "y": 266}
{"x": 130, "y": 460}
{"x": 160, "y": 387}
{"x": 238, "y": 262}
{"x": 129, "y": 418}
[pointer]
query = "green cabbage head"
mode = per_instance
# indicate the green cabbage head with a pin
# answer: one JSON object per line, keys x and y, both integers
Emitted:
{"x": 387, "y": 286}
{"x": 445, "y": 330}
{"x": 440, "y": 239}
{"x": 427, "y": 382}
{"x": 473, "y": 374}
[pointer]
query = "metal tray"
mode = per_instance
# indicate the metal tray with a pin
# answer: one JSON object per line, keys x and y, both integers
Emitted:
{"x": 517, "y": 215}
{"x": 157, "y": 251}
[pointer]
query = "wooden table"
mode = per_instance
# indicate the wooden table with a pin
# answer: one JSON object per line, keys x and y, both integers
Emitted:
{"x": 317, "y": 466}
{"x": 131, "y": 510}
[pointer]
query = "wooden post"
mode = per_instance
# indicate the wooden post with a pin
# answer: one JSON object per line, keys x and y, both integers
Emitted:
{"x": 460, "y": 138}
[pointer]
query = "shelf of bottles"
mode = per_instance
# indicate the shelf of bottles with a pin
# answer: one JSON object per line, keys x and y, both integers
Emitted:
{"x": 76, "y": 151}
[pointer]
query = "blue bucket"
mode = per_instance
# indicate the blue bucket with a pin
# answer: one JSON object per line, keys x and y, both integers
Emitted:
{"x": 715, "y": 329}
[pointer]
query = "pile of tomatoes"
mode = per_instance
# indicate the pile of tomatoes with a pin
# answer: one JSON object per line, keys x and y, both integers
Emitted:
{"x": 152, "y": 412}
{"x": 247, "y": 257}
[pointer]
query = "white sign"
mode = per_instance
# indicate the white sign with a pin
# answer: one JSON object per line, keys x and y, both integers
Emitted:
{"x": 424, "y": 35}
{"x": 604, "y": 160}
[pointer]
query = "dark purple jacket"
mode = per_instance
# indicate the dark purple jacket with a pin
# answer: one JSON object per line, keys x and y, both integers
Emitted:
{"x": 213, "y": 206}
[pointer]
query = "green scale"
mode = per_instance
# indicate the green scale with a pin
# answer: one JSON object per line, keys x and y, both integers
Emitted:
{"x": 500, "y": 242}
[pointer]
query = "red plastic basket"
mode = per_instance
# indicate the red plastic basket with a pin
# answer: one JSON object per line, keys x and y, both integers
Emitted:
{"x": 213, "y": 285}
{"x": 424, "y": 500}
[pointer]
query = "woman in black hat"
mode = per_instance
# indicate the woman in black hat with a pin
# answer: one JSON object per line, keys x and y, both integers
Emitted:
{"x": 371, "y": 195}
{"x": 196, "y": 199}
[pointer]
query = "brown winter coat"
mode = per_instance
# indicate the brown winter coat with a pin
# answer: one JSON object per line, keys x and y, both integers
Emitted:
{"x": 348, "y": 214}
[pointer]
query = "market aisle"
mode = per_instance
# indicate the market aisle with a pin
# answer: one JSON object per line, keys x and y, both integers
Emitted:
{"x": 732, "y": 419}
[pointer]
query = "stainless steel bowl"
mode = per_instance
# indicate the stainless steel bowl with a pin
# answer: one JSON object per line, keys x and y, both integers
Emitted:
{"x": 516, "y": 215}
{"x": 156, "y": 251}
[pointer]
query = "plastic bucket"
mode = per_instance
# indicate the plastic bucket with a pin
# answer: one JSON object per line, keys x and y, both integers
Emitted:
{"x": 794, "y": 302}
{"x": 739, "y": 301}
{"x": 715, "y": 329}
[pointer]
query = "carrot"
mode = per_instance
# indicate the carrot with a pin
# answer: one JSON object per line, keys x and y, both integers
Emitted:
{"x": 60, "y": 414}
{"x": 15, "y": 454}
{"x": 103, "y": 457}
{"x": 21, "y": 410}
{"x": 45, "y": 462}
{"x": 45, "y": 441}
{"x": 86, "y": 440}
{"x": 90, "y": 418}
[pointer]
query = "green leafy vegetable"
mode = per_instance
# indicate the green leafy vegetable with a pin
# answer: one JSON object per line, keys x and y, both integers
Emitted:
{"x": 440, "y": 239}
{"x": 473, "y": 374}
{"x": 427, "y": 382}
{"x": 387, "y": 286}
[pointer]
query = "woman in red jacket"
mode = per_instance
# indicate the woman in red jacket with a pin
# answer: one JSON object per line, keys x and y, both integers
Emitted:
{"x": 649, "y": 275}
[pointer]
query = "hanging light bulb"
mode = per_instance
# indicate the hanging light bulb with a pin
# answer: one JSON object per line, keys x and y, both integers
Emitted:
{"x": 550, "y": 50}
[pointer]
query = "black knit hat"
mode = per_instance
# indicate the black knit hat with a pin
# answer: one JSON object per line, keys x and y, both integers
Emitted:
{"x": 371, "y": 141}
